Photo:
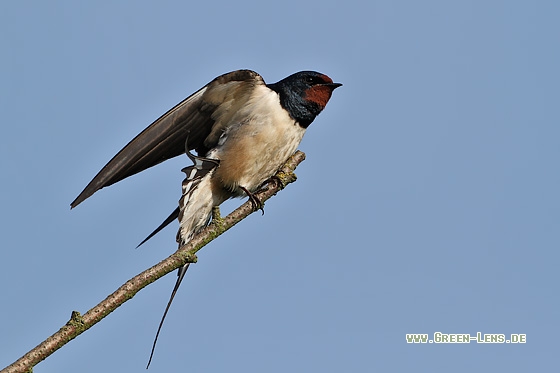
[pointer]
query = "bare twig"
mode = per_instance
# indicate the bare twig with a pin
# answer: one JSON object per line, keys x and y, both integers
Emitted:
{"x": 185, "y": 254}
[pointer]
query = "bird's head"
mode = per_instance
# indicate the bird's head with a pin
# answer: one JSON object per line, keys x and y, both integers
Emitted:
{"x": 305, "y": 94}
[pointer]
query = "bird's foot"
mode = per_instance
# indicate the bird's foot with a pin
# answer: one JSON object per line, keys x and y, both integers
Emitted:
{"x": 279, "y": 180}
{"x": 257, "y": 204}
{"x": 275, "y": 181}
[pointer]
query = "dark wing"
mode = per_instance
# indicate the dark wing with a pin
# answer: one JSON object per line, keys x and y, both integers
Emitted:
{"x": 201, "y": 118}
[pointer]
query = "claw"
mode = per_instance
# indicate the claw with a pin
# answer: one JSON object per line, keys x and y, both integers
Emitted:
{"x": 257, "y": 204}
{"x": 278, "y": 181}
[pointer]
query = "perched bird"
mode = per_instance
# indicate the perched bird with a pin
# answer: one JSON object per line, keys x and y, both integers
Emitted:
{"x": 242, "y": 129}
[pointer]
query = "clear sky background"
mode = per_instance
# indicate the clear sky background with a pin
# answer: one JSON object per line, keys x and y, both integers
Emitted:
{"x": 429, "y": 200}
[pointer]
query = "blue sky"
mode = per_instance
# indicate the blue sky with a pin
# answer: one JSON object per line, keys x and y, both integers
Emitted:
{"x": 428, "y": 201}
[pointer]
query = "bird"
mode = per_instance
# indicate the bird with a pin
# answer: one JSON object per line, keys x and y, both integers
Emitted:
{"x": 242, "y": 129}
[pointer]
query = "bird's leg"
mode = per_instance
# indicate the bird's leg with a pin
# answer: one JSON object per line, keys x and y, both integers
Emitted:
{"x": 257, "y": 204}
{"x": 216, "y": 213}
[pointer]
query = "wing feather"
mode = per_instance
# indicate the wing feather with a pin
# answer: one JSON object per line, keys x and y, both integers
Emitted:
{"x": 201, "y": 118}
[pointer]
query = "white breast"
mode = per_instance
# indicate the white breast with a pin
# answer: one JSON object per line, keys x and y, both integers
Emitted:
{"x": 256, "y": 143}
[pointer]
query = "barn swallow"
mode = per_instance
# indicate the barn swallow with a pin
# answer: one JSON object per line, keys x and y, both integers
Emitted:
{"x": 242, "y": 130}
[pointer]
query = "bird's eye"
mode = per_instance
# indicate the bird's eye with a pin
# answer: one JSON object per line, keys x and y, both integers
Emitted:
{"x": 313, "y": 80}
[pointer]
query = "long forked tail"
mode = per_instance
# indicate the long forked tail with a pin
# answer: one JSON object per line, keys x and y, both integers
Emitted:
{"x": 180, "y": 275}
{"x": 174, "y": 215}
{"x": 195, "y": 211}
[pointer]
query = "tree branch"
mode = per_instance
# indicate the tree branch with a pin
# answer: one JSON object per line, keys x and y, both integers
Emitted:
{"x": 185, "y": 254}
